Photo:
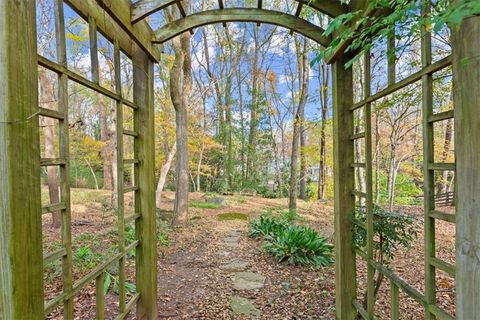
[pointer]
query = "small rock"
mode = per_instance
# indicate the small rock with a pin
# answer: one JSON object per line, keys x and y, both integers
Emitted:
{"x": 243, "y": 306}
{"x": 248, "y": 281}
{"x": 235, "y": 266}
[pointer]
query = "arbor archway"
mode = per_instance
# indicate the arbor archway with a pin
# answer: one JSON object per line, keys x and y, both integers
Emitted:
{"x": 21, "y": 259}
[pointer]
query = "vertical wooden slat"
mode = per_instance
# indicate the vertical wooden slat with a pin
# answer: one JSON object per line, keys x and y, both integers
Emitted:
{"x": 369, "y": 187}
{"x": 145, "y": 227}
{"x": 394, "y": 301}
{"x": 100, "y": 297}
{"x": 428, "y": 157}
{"x": 92, "y": 30}
{"x": 21, "y": 280}
{"x": 466, "y": 78}
{"x": 344, "y": 185}
{"x": 67, "y": 261}
{"x": 120, "y": 180}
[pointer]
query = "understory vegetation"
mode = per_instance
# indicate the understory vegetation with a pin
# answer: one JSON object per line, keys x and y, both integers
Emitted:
{"x": 290, "y": 242}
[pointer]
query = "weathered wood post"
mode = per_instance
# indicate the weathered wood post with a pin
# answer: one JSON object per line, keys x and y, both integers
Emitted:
{"x": 146, "y": 257}
{"x": 344, "y": 180}
{"x": 466, "y": 77}
{"x": 21, "y": 262}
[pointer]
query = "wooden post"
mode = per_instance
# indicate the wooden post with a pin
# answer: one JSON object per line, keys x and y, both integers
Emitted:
{"x": 344, "y": 180}
{"x": 146, "y": 257}
{"x": 21, "y": 261}
{"x": 466, "y": 77}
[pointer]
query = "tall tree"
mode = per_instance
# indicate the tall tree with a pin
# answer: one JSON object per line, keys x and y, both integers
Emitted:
{"x": 302, "y": 55}
{"x": 323, "y": 80}
{"x": 180, "y": 91}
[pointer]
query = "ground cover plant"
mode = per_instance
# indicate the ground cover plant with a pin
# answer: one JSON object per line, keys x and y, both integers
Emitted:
{"x": 205, "y": 205}
{"x": 290, "y": 242}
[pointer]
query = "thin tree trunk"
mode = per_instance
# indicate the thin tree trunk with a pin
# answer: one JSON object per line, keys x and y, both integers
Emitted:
{"x": 164, "y": 173}
{"x": 442, "y": 186}
{"x": 47, "y": 99}
{"x": 93, "y": 173}
{"x": 105, "y": 137}
{"x": 252, "y": 138}
{"x": 297, "y": 125}
{"x": 303, "y": 160}
{"x": 323, "y": 81}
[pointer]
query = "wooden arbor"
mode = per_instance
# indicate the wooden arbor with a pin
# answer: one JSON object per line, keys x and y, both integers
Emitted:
{"x": 21, "y": 295}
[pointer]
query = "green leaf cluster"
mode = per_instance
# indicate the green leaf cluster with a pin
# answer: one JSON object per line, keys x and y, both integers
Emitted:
{"x": 392, "y": 231}
{"x": 292, "y": 243}
{"x": 360, "y": 29}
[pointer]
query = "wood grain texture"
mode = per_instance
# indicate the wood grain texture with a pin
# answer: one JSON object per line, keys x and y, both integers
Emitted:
{"x": 288, "y": 21}
{"x": 344, "y": 184}
{"x": 144, "y": 147}
{"x": 21, "y": 261}
{"x": 466, "y": 70}
{"x": 143, "y": 8}
{"x": 117, "y": 23}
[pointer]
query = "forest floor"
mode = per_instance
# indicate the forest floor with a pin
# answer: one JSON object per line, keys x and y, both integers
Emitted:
{"x": 211, "y": 269}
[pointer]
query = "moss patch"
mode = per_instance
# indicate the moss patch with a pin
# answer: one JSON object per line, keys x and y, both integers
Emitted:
{"x": 232, "y": 216}
{"x": 205, "y": 205}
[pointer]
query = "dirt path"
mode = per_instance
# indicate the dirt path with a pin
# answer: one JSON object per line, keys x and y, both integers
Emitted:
{"x": 213, "y": 270}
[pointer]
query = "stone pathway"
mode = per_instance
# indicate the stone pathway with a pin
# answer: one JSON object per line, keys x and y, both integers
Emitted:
{"x": 242, "y": 279}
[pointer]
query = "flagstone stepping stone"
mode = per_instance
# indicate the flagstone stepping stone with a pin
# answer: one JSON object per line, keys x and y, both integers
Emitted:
{"x": 244, "y": 306}
{"x": 231, "y": 242}
{"x": 235, "y": 265}
{"x": 248, "y": 281}
{"x": 223, "y": 253}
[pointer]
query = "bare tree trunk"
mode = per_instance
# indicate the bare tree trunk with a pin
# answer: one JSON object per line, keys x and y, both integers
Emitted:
{"x": 443, "y": 185}
{"x": 391, "y": 176}
{"x": 297, "y": 124}
{"x": 377, "y": 159}
{"x": 105, "y": 137}
{"x": 164, "y": 172}
{"x": 303, "y": 161}
{"x": 242, "y": 127}
{"x": 323, "y": 81}
{"x": 252, "y": 138}
{"x": 47, "y": 97}
{"x": 180, "y": 93}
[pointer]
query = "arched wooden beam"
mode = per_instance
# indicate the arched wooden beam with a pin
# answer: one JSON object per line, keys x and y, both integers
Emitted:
{"x": 196, "y": 20}
{"x": 144, "y": 8}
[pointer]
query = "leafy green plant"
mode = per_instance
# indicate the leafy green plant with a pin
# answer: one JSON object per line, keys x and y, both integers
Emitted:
{"x": 107, "y": 284}
{"x": 86, "y": 258}
{"x": 266, "y": 227}
{"x": 300, "y": 245}
{"x": 292, "y": 243}
{"x": 130, "y": 234}
{"x": 163, "y": 238}
{"x": 358, "y": 30}
{"x": 392, "y": 231}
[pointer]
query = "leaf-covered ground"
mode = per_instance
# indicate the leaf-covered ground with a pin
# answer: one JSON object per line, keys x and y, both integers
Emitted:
{"x": 194, "y": 284}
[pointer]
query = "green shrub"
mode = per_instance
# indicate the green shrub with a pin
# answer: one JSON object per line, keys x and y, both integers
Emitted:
{"x": 205, "y": 205}
{"x": 391, "y": 231}
{"x": 266, "y": 227}
{"x": 300, "y": 245}
{"x": 292, "y": 243}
